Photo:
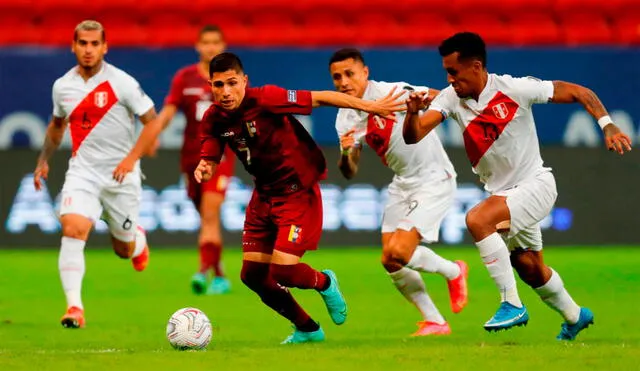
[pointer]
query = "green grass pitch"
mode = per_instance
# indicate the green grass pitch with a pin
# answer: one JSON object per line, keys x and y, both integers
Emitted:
{"x": 127, "y": 314}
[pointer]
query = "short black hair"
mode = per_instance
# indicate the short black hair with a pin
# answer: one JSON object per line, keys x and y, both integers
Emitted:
{"x": 224, "y": 62}
{"x": 210, "y": 28}
{"x": 346, "y": 53}
{"x": 469, "y": 45}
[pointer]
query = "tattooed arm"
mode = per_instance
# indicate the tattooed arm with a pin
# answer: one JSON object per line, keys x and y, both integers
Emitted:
{"x": 52, "y": 140}
{"x": 565, "y": 92}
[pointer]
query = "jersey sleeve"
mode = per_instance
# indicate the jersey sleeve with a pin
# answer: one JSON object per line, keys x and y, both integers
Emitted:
{"x": 443, "y": 103}
{"x": 533, "y": 90}
{"x": 58, "y": 110}
{"x": 211, "y": 147}
{"x": 174, "y": 96}
{"x": 278, "y": 100}
{"x": 134, "y": 98}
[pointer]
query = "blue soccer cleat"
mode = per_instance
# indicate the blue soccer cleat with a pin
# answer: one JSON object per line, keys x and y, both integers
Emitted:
{"x": 569, "y": 331}
{"x": 199, "y": 283}
{"x": 507, "y": 316}
{"x": 219, "y": 285}
{"x": 299, "y": 337}
{"x": 333, "y": 299}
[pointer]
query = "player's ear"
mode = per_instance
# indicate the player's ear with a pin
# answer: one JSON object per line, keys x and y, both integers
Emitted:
{"x": 366, "y": 72}
{"x": 246, "y": 79}
{"x": 106, "y": 47}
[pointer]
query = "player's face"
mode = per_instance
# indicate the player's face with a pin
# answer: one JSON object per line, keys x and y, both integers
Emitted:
{"x": 228, "y": 88}
{"x": 89, "y": 48}
{"x": 350, "y": 77}
{"x": 463, "y": 76}
{"x": 209, "y": 45}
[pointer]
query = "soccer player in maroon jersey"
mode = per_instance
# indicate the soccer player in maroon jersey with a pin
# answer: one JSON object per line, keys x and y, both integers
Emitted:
{"x": 190, "y": 93}
{"x": 284, "y": 216}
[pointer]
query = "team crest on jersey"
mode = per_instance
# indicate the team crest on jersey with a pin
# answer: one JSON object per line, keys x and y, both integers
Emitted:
{"x": 380, "y": 122}
{"x": 101, "y": 98}
{"x": 295, "y": 234}
{"x": 500, "y": 110}
{"x": 251, "y": 128}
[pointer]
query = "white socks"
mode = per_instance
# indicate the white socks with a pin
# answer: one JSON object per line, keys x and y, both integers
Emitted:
{"x": 141, "y": 242}
{"x": 426, "y": 260}
{"x": 495, "y": 256}
{"x": 556, "y": 296}
{"x": 71, "y": 266}
{"x": 411, "y": 285}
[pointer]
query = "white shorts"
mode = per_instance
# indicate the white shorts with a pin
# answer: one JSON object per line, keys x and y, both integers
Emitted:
{"x": 117, "y": 204}
{"x": 529, "y": 202}
{"x": 422, "y": 208}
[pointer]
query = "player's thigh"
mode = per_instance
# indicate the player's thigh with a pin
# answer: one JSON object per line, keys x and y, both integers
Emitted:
{"x": 80, "y": 207}
{"x": 530, "y": 202}
{"x": 426, "y": 209}
{"x": 121, "y": 208}
{"x": 394, "y": 210}
{"x": 259, "y": 233}
{"x": 193, "y": 188}
{"x": 298, "y": 218}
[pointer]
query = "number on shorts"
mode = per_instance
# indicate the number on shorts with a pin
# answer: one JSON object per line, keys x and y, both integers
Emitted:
{"x": 413, "y": 204}
{"x": 127, "y": 224}
{"x": 201, "y": 107}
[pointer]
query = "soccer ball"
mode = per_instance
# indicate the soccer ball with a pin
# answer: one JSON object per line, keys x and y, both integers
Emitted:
{"x": 189, "y": 329}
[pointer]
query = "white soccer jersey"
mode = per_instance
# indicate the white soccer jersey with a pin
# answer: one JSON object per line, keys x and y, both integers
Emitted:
{"x": 499, "y": 132}
{"x": 101, "y": 117}
{"x": 412, "y": 164}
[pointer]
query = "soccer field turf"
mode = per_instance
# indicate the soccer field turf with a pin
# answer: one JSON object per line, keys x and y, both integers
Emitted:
{"x": 127, "y": 314}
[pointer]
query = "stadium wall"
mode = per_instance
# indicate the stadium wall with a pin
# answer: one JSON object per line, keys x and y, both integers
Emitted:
{"x": 597, "y": 201}
{"x": 26, "y": 76}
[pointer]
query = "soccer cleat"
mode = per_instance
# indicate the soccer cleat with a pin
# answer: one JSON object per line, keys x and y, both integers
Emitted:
{"x": 199, "y": 283}
{"x": 426, "y": 328}
{"x": 507, "y": 316}
{"x": 569, "y": 331}
{"x": 219, "y": 285}
{"x": 299, "y": 337}
{"x": 458, "y": 292}
{"x": 333, "y": 299}
{"x": 74, "y": 318}
{"x": 141, "y": 261}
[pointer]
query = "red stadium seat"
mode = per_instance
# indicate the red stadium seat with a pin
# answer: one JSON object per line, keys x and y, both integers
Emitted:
{"x": 627, "y": 29}
{"x": 18, "y": 28}
{"x": 505, "y": 8}
{"x": 59, "y": 27}
{"x": 273, "y": 28}
{"x": 426, "y": 28}
{"x": 123, "y": 29}
{"x": 323, "y": 28}
{"x": 381, "y": 29}
{"x": 171, "y": 29}
{"x": 534, "y": 29}
{"x": 491, "y": 27}
{"x": 586, "y": 29}
{"x": 236, "y": 26}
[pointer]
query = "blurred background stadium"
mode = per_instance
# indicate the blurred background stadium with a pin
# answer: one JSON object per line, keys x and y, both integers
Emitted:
{"x": 594, "y": 43}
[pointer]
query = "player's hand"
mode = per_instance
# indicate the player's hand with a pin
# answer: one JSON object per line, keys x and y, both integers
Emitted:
{"x": 204, "y": 171}
{"x": 347, "y": 141}
{"x": 418, "y": 101}
{"x": 387, "y": 105}
{"x": 616, "y": 140}
{"x": 124, "y": 168}
{"x": 40, "y": 174}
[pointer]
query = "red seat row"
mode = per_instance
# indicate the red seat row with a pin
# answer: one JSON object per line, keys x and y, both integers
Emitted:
{"x": 178, "y": 26}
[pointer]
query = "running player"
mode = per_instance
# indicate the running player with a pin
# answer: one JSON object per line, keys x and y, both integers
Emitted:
{"x": 495, "y": 114}
{"x": 420, "y": 194}
{"x": 284, "y": 216}
{"x": 191, "y": 94}
{"x": 97, "y": 101}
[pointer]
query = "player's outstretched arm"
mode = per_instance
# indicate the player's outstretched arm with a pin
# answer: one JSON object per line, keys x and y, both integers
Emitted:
{"x": 383, "y": 107}
{"x": 566, "y": 92}
{"x": 52, "y": 140}
{"x": 166, "y": 115}
{"x": 350, "y": 155}
{"x": 144, "y": 144}
{"x": 415, "y": 126}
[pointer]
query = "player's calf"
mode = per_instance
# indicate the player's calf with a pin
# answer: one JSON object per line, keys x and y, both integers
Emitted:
{"x": 123, "y": 249}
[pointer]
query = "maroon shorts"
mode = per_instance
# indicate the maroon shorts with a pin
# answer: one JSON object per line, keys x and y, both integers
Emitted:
{"x": 217, "y": 184}
{"x": 291, "y": 223}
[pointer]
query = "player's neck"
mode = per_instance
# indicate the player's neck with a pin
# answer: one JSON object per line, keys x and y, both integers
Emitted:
{"x": 203, "y": 69}
{"x": 88, "y": 72}
{"x": 484, "y": 80}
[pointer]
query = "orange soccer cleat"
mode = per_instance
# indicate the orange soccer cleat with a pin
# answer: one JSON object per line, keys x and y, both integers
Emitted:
{"x": 74, "y": 318}
{"x": 141, "y": 261}
{"x": 458, "y": 293}
{"x": 426, "y": 328}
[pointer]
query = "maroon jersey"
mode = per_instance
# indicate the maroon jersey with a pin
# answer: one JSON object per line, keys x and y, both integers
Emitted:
{"x": 272, "y": 145}
{"x": 191, "y": 93}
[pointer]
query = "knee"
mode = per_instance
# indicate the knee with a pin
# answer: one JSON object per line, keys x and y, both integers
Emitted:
{"x": 123, "y": 249}
{"x": 474, "y": 221}
{"x": 396, "y": 254}
{"x": 253, "y": 275}
{"x": 76, "y": 231}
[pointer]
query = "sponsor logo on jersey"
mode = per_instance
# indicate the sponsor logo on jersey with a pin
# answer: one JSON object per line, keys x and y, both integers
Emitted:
{"x": 228, "y": 134}
{"x": 193, "y": 91}
{"x": 295, "y": 234}
{"x": 251, "y": 128}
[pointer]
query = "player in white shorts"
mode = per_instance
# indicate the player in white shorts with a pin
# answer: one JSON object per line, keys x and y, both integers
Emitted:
{"x": 98, "y": 101}
{"x": 495, "y": 114}
{"x": 420, "y": 194}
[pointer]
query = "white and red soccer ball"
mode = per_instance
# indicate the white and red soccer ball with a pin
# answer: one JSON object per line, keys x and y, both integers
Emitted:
{"x": 189, "y": 329}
